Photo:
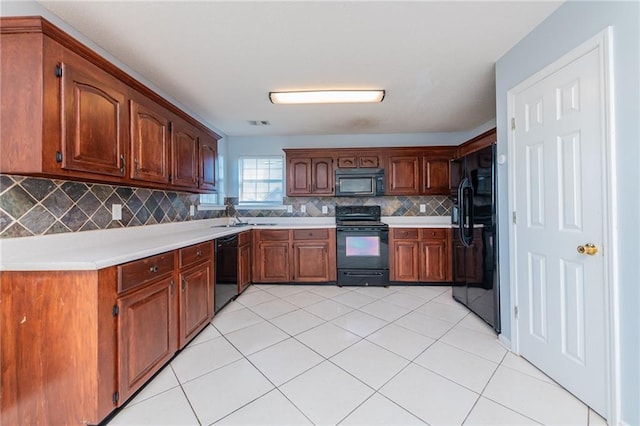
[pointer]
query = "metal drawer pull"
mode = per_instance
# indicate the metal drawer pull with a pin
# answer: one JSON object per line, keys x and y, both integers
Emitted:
{"x": 153, "y": 269}
{"x": 199, "y": 253}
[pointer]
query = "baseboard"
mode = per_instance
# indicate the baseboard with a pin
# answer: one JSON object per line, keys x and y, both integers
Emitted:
{"x": 504, "y": 342}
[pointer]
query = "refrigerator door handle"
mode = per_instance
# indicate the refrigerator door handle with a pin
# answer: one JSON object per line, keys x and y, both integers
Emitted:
{"x": 465, "y": 198}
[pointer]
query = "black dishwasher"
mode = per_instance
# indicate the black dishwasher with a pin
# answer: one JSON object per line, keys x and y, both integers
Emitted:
{"x": 226, "y": 267}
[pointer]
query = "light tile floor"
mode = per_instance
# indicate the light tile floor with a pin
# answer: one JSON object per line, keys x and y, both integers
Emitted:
{"x": 324, "y": 355}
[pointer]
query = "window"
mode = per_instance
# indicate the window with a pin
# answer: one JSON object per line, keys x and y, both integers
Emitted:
{"x": 261, "y": 180}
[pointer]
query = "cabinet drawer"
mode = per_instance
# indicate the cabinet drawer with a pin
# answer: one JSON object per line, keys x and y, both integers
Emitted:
{"x": 405, "y": 233}
{"x": 195, "y": 254}
{"x": 244, "y": 238}
{"x": 273, "y": 235}
{"x": 140, "y": 272}
{"x": 310, "y": 234}
{"x": 368, "y": 161}
{"x": 347, "y": 162}
{"x": 434, "y": 233}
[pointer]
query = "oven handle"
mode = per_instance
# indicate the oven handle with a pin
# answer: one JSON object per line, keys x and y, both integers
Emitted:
{"x": 362, "y": 229}
{"x": 359, "y": 274}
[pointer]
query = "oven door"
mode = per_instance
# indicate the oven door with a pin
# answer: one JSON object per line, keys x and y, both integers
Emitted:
{"x": 362, "y": 248}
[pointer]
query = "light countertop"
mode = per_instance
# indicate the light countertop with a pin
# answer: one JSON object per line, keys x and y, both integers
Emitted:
{"x": 92, "y": 250}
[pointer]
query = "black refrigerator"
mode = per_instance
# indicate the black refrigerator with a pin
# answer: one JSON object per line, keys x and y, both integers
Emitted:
{"x": 475, "y": 277}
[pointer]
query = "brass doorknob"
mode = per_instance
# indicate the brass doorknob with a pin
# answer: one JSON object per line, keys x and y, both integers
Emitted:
{"x": 588, "y": 249}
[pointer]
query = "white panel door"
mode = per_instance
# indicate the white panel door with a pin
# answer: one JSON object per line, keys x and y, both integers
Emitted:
{"x": 558, "y": 198}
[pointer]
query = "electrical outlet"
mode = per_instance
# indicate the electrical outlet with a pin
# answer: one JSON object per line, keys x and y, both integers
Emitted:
{"x": 325, "y": 209}
{"x": 289, "y": 209}
{"x": 192, "y": 210}
{"x": 423, "y": 208}
{"x": 303, "y": 209}
{"x": 116, "y": 211}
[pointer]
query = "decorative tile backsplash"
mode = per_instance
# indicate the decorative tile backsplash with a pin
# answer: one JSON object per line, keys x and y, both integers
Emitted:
{"x": 391, "y": 206}
{"x": 36, "y": 206}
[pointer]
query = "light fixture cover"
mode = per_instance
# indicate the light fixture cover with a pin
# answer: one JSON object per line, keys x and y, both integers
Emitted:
{"x": 326, "y": 96}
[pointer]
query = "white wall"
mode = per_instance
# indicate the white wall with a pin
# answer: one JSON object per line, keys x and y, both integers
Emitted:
{"x": 573, "y": 23}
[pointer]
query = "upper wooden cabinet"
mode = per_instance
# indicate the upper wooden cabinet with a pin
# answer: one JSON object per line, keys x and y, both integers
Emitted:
{"x": 93, "y": 119}
{"x": 150, "y": 142}
{"x": 184, "y": 155}
{"x": 208, "y": 162}
{"x": 85, "y": 119}
{"x": 352, "y": 160}
{"x": 309, "y": 175}
{"x": 477, "y": 143}
{"x": 322, "y": 176}
{"x": 408, "y": 171}
{"x": 402, "y": 174}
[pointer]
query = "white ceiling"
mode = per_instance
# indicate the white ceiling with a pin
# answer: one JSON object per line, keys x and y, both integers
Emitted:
{"x": 435, "y": 59}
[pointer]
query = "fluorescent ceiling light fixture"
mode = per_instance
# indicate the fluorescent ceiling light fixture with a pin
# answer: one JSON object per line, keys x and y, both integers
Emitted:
{"x": 327, "y": 97}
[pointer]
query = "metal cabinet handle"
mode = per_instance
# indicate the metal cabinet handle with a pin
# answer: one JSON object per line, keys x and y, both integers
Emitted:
{"x": 153, "y": 269}
{"x": 123, "y": 163}
{"x": 199, "y": 253}
{"x": 173, "y": 288}
{"x": 184, "y": 285}
{"x": 137, "y": 166}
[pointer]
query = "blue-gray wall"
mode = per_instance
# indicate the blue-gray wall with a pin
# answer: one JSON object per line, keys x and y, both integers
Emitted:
{"x": 571, "y": 25}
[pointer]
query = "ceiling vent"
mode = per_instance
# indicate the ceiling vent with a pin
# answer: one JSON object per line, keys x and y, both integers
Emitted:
{"x": 259, "y": 122}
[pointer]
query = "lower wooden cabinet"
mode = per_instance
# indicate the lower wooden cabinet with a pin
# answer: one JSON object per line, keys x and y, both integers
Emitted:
{"x": 57, "y": 357}
{"x": 296, "y": 255}
{"x": 147, "y": 334}
{"x": 77, "y": 344}
{"x": 314, "y": 255}
{"x": 196, "y": 295}
{"x": 434, "y": 261}
{"x": 420, "y": 255}
{"x": 272, "y": 262}
{"x": 406, "y": 262}
{"x": 195, "y": 268}
{"x": 244, "y": 260}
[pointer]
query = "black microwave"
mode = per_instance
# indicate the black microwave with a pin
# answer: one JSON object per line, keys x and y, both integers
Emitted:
{"x": 359, "y": 182}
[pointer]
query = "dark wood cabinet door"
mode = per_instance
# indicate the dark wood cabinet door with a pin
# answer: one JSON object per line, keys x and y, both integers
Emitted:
{"x": 244, "y": 267}
{"x": 405, "y": 262}
{"x": 208, "y": 158}
{"x": 298, "y": 176}
{"x": 436, "y": 176}
{"x": 403, "y": 175}
{"x": 94, "y": 120}
{"x": 434, "y": 263}
{"x": 322, "y": 176}
{"x": 272, "y": 263}
{"x": 149, "y": 142}
{"x": 184, "y": 155}
{"x": 311, "y": 261}
{"x": 196, "y": 285}
{"x": 147, "y": 327}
